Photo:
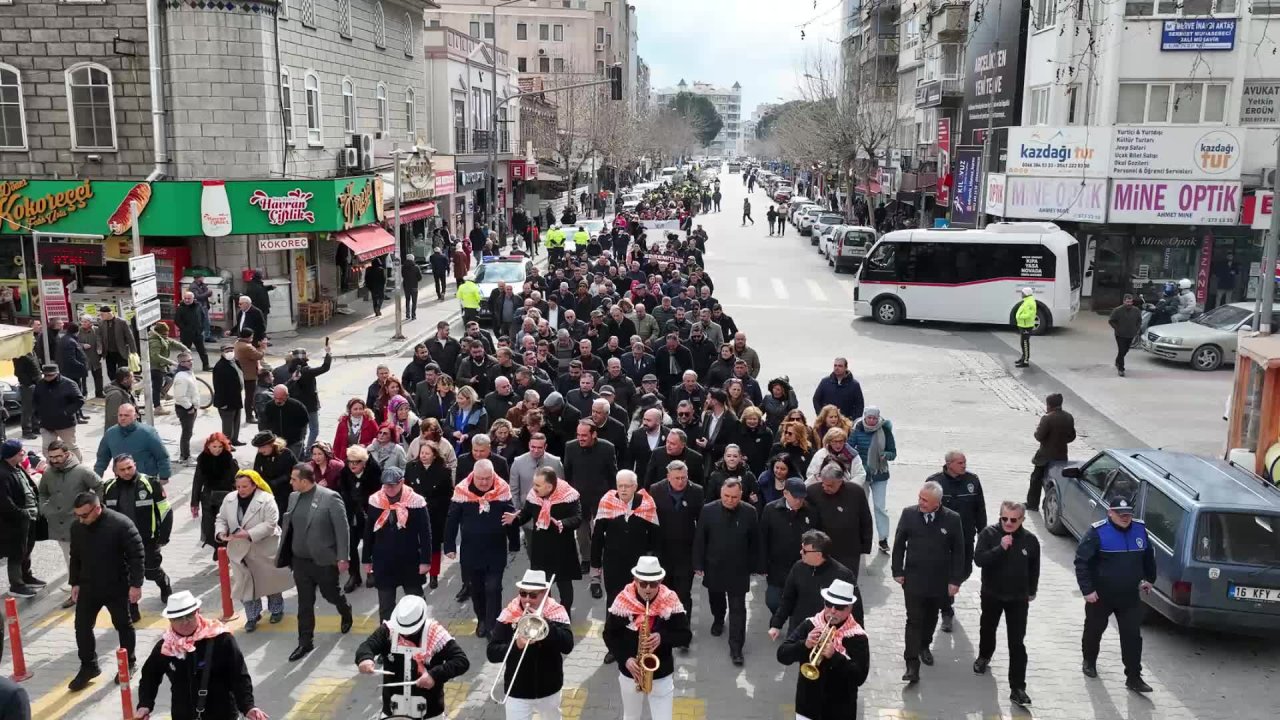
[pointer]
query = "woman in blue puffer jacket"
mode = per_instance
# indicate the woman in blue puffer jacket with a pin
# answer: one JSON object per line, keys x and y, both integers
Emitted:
{"x": 873, "y": 438}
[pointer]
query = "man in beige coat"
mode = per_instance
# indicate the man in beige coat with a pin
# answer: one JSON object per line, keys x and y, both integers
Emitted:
{"x": 62, "y": 481}
{"x": 252, "y": 534}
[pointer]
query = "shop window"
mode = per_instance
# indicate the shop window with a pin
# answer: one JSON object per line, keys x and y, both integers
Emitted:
{"x": 13, "y": 121}
{"x": 90, "y": 98}
{"x": 315, "y": 129}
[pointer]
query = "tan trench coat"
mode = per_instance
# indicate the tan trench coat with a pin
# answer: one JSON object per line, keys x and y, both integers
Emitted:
{"x": 253, "y": 562}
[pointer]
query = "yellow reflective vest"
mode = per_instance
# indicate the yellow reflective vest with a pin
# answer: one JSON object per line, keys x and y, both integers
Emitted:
{"x": 469, "y": 295}
{"x": 1026, "y": 315}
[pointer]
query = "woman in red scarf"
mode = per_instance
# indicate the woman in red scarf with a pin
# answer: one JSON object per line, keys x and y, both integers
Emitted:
{"x": 554, "y": 507}
{"x": 397, "y": 540}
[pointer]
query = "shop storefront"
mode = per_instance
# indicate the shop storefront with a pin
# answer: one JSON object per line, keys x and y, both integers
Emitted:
{"x": 289, "y": 230}
{"x": 420, "y": 214}
{"x": 469, "y": 196}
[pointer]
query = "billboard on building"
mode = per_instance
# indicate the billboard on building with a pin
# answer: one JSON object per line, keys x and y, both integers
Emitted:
{"x": 1175, "y": 202}
{"x": 1082, "y": 152}
{"x": 1056, "y": 198}
{"x": 964, "y": 205}
{"x": 1188, "y": 153}
{"x": 994, "y": 67}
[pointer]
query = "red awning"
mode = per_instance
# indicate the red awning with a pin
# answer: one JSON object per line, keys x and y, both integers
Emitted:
{"x": 414, "y": 211}
{"x": 875, "y": 188}
{"x": 367, "y": 242}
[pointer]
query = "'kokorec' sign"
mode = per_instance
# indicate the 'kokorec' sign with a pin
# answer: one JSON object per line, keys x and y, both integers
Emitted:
{"x": 1174, "y": 202}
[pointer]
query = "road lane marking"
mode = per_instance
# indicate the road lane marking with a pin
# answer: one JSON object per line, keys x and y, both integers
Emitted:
{"x": 319, "y": 698}
{"x": 58, "y": 701}
{"x": 744, "y": 289}
{"x": 572, "y": 702}
{"x": 779, "y": 288}
{"x": 815, "y": 290}
{"x": 686, "y": 708}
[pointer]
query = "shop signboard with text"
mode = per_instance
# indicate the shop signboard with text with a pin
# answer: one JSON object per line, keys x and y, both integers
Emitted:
{"x": 993, "y": 72}
{"x": 1198, "y": 34}
{"x": 1056, "y": 198}
{"x": 1260, "y": 102}
{"x": 997, "y": 189}
{"x": 1185, "y": 153}
{"x": 185, "y": 208}
{"x": 1080, "y": 152}
{"x": 964, "y": 204}
{"x": 1174, "y": 202}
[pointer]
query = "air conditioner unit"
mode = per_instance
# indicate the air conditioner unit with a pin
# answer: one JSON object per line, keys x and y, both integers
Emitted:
{"x": 364, "y": 146}
{"x": 350, "y": 159}
{"x": 542, "y": 51}
{"x": 599, "y": 47}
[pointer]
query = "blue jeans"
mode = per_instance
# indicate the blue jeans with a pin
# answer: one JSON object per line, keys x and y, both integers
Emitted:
{"x": 313, "y": 429}
{"x": 253, "y": 608}
{"x": 878, "y": 489}
{"x": 208, "y": 327}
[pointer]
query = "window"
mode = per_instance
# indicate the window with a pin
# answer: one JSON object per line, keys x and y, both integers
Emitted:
{"x": 348, "y": 105}
{"x": 544, "y": 64}
{"x": 477, "y": 102}
{"x": 504, "y": 133}
{"x": 1265, "y": 7}
{"x": 487, "y": 111}
{"x": 475, "y": 29}
{"x": 1238, "y": 537}
{"x": 1172, "y": 103}
{"x": 308, "y": 15}
{"x": 384, "y": 120}
{"x": 1076, "y": 110}
{"x": 608, "y": 38}
{"x": 608, "y": 9}
{"x": 91, "y": 100}
{"x": 13, "y": 120}
{"x": 1044, "y": 13}
{"x": 344, "y": 18}
{"x": 1038, "y": 108}
{"x": 286, "y": 105}
{"x": 1178, "y": 8}
{"x": 544, "y": 32}
{"x": 559, "y": 65}
{"x": 410, "y": 35}
{"x": 522, "y": 64}
{"x": 522, "y": 31}
{"x": 600, "y": 35}
{"x": 411, "y": 113}
{"x": 600, "y": 67}
{"x": 379, "y": 26}
{"x": 488, "y": 31}
{"x": 1163, "y": 517}
{"x": 557, "y": 33}
{"x": 1099, "y": 471}
{"x": 311, "y": 91}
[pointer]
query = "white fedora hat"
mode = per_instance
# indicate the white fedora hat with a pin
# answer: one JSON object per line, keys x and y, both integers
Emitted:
{"x": 533, "y": 580}
{"x": 839, "y": 592}
{"x": 409, "y": 615}
{"x": 647, "y": 568}
{"x": 181, "y": 604}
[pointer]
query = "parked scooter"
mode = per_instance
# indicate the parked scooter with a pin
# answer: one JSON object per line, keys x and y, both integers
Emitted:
{"x": 1158, "y": 313}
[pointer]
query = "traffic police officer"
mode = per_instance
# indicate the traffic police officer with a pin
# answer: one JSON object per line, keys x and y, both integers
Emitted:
{"x": 470, "y": 297}
{"x": 1113, "y": 562}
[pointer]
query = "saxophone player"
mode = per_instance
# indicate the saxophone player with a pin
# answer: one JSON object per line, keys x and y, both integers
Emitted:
{"x": 834, "y": 651}
{"x": 535, "y": 688}
{"x": 646, "y": 607}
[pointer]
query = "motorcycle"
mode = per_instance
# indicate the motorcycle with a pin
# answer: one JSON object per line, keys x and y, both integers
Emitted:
{"x": 1158, "y": 313}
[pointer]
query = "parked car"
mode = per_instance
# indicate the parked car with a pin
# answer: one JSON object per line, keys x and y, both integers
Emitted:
{"x": 1208, "y": 341}
{"x": 796, "y": 205}
{"x": 821, "y": 222}
{"x": 805, "y": 218}
{"x": 848, "y": 245}
{"x": 1214, "y": 527}
{"x": 783, "y": 194}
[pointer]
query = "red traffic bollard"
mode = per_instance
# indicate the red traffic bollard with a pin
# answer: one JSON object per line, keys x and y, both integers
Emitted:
{"x": 224, "y": 580}
{"x": 122, "y": 679}
{"x": 20, "y": 671}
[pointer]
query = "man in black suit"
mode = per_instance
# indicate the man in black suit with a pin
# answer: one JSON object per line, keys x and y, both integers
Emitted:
{"x": 679, "y": 504}
{"x": 670, "y": 362}
{"x": 1057, "y": 430}
{"x": 675, "y": 447}
{"x": 249, "y": 317}
{"x": 929, "y": 563}
{"x": 644, "y": 440}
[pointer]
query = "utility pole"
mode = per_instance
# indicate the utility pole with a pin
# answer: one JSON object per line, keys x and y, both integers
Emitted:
{"x": 395, "y": 252}
{"x": 143, "y": 354}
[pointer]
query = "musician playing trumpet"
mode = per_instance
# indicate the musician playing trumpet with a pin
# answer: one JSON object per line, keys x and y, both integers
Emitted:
{"x": 834, "y": 654}
{"x": 646, "y": 608}
{"x": 532, "y": 685}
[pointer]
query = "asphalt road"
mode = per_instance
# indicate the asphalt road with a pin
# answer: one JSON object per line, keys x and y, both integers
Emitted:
{"x": 942, "y": 387}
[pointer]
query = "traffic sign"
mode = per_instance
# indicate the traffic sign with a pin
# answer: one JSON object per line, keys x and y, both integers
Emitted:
{"x": 141, "y": 266}
{"x": 147, "y": 313}
{"x": 144, "y": 290}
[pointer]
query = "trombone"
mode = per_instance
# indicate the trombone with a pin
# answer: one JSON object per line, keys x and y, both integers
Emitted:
{"x": 810, "y": 669}
{"x": 532, "y": 627}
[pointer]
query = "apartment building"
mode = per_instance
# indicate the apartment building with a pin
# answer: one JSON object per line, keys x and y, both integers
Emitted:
{"x": 727, "y": 101}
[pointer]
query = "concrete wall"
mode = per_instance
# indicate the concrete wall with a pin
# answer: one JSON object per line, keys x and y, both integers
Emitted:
{"x": 42, "y": 39}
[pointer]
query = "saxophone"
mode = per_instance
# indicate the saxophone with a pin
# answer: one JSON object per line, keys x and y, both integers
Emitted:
{"x": 647, "y": 661}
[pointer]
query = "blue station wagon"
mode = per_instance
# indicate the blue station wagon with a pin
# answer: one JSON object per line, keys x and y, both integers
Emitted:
{"x": 1214, "y": 526}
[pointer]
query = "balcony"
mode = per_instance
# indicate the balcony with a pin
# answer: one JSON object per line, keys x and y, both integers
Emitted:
{"x": 932, "y": 93}
{"x": 481, "y": 142}
{"x": 949, "y": 19}
{"x": 877, "y": 47}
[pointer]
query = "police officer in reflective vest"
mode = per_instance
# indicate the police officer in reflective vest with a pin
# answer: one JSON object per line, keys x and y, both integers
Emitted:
{"x": 144, "y": 502}
{"x": 555, "y": 245}
{"x": 1113, "y": 563}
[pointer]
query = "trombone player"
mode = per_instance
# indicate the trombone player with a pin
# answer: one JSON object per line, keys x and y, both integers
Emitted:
{"x": 834, "y": 655}
{"x": 532, "y": 624}
{"x": 644, "y": 623}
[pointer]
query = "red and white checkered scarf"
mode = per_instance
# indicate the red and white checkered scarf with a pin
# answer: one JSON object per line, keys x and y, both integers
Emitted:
{"x": 850, "y": 628}
{"x": 612, "y": 506}
{"x": 501, "y": 491}
{"x": 562, "y": 493}
{"x": 408, "y": 499}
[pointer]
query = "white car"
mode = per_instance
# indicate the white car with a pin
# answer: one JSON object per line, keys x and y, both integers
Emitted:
{"x": 804, "y": 218}
{"x": 796, "y": 206}
{"x": 847, "y": 245}
{"x": 822, "y": 222}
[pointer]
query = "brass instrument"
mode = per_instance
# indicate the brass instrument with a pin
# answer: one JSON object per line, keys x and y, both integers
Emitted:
{"x": 810, "y": 669}
{"x": 532, "y": 628}
{"x": 648, "y": 662}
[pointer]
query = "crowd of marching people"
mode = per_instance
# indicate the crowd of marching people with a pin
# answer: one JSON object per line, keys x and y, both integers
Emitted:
{"x": 613, "y": 426}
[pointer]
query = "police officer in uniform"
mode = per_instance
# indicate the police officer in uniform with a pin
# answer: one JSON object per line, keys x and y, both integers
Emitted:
{"x": 962, "y": 492}
{"x": 143, "y": 501}
{"x": 1114, "y": 561}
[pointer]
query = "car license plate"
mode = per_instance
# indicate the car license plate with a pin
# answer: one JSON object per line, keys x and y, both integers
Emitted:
{"x": 1253, "y": 594}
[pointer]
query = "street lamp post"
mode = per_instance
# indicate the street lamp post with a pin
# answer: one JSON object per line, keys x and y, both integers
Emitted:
{"x": 493, "y": 114}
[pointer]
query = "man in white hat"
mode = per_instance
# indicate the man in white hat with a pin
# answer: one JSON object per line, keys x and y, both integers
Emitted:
{"x": 197, "y": 655}
{"x": 535, "y": 689}
{"x": 421, "y": 657}
{"x": 646, "y": 599}
{"x": 843, "y": 660}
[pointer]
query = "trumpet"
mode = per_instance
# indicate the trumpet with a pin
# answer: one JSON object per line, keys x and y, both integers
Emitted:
{"x": 810, "y": 669}
{"x": 648, "y": 662}
{"x": 531, "y": 628}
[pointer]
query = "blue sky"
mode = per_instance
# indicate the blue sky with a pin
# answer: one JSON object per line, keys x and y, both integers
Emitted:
{"x": 754, "y": 42}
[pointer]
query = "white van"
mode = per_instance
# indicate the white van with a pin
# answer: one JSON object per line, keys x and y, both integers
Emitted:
{"x": 971, "y": 276}
{"x": 667, "y": 173}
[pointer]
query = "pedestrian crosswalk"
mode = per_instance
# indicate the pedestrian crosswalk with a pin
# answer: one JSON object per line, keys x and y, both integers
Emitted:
{"x": 827, "y": 290}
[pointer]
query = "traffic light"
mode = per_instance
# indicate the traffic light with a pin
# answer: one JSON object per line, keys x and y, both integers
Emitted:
{"x": 615, "y": 82}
